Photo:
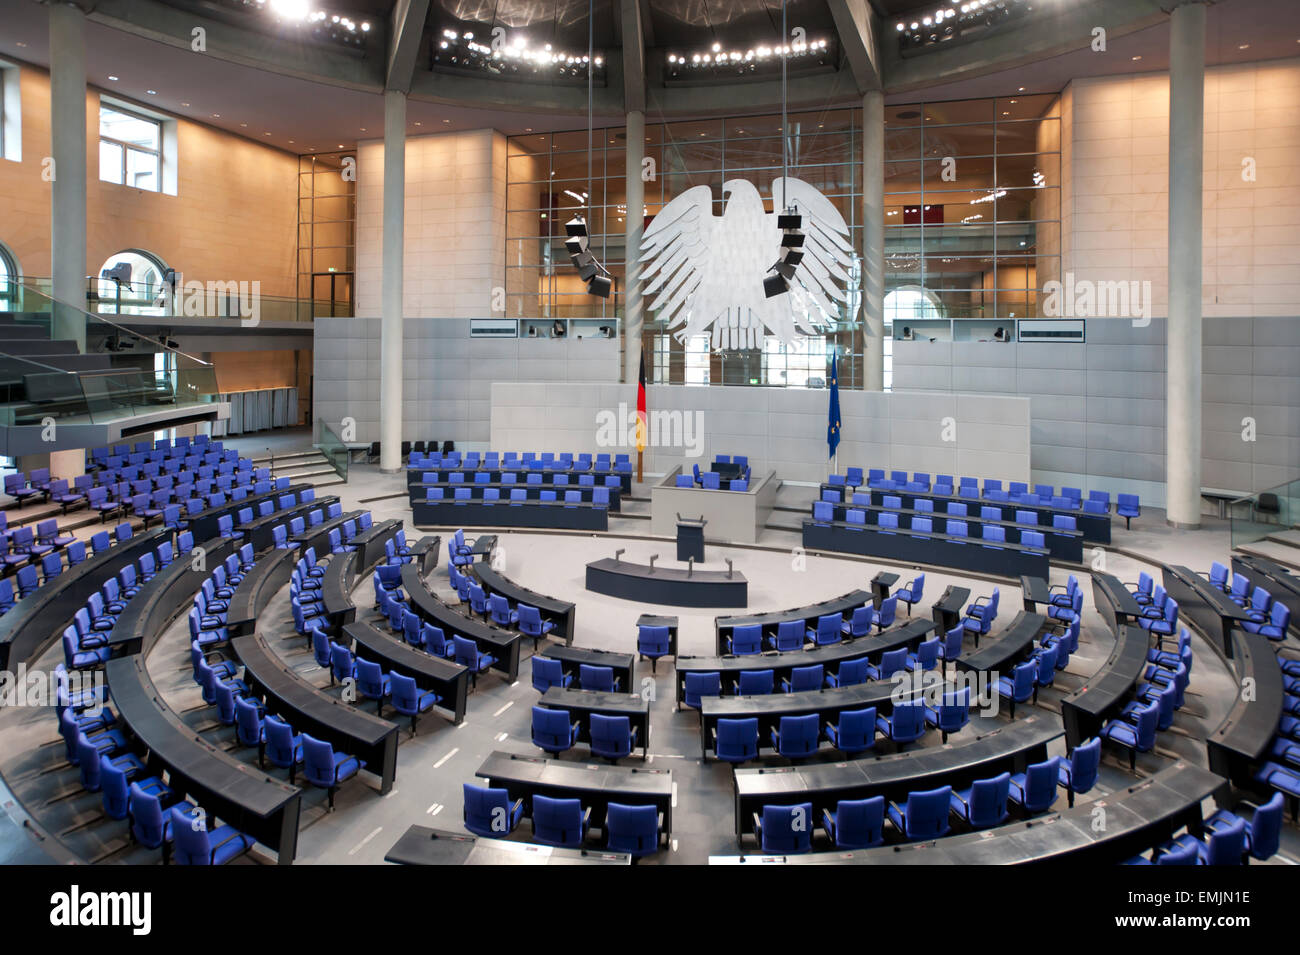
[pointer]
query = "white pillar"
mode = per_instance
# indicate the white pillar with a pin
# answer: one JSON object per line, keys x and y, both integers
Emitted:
{"x": 634, "y": 222}
{"x": 390, "y": 334}
{"x": 68, "y": 146}
{"x": 1183, "y": 336}
{"x": 873, "y": 240}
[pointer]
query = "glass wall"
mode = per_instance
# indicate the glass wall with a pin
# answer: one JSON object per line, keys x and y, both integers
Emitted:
{"x": 972, "y": 222}
{"x": 972, "y": 214}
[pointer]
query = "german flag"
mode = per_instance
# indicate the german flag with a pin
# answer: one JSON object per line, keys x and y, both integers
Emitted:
{"x": 640, "y": 408}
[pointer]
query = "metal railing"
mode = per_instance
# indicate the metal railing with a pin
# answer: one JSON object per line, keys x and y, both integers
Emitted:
{"x": 195, "y": 300}
{"x": 1256, "y": 516}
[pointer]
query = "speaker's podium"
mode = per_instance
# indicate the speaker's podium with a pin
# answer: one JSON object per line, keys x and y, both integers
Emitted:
{"x": 690, "y": 539}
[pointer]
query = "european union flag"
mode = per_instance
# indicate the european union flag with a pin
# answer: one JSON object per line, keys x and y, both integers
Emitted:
{"x": 833, "y": 418}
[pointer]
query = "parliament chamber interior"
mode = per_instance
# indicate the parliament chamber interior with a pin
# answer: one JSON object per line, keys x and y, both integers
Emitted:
{"x": 611, "y": 432}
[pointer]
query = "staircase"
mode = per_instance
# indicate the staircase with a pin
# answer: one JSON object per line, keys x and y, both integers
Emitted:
{"x": 301, "y": 467}
{"x": 27, "y": 349}
{"x": 1282, "y": 547}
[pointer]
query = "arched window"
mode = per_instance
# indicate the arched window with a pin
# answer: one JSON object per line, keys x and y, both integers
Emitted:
{"x": 9, "y": 276}
{"x": 141, "y": 294}
{"x": 911, "y": 303}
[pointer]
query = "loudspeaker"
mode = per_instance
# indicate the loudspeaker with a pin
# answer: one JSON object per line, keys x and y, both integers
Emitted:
{"x": 600, "y": 286}
{"x": 774, "y": 285}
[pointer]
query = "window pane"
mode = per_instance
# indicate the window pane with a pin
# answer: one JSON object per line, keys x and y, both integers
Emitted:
{"x": 126, "y": 128}
{"x": 142, "y": 169}
{"x": 110, "y": 162}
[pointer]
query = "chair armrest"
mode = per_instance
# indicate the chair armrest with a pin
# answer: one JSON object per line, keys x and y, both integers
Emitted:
{"x": 758, "y": 823}
{"x": 586, "y": 817}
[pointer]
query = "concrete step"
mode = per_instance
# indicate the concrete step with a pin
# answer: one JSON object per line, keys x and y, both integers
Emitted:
{"x": 285, "y": 457}
{"x": 1278, "y": 553}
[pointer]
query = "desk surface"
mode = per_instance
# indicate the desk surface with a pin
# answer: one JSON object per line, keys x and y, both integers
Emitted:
{"x": 772, "y": 618}
{"x": 1250, "y": 725}
{"x": 1104, "y": 691}
{"x": 537, "y": 774}
{"x": 421, "y": 845}
{"x": 1009, "y": 648}
{"x": 1136, "y": 817}
{"x": 911, "y": 770}
{"x": 494, "y": 582}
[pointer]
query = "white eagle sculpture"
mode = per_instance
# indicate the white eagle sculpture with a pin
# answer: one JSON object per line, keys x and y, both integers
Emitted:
{"x": 706, "y": 272}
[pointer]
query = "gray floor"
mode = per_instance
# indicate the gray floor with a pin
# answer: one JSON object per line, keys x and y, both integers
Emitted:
{"x": 434, "y": 764}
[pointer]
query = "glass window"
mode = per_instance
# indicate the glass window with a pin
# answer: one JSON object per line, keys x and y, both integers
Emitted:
{"x": 142, "y": 293}
{"x": 697, "y": 360}
{"x": 8, "y": 280}
{"x": 130, "y": 149}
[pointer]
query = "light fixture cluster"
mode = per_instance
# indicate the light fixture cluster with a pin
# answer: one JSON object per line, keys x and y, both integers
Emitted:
{"x": 513, "y": 58}
{"x": 781, "y": 274}
{"x": 955, "y": 21}
{"x": 718, "y": 60}
{"x": 302, "y": 15}
{"x": 590, "y": 271}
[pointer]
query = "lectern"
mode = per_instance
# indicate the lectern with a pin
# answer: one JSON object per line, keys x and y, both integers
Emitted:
{"x": 690, "y": 538}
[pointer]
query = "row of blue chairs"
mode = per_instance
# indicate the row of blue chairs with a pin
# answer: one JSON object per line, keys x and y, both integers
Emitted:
{"x": 1268, "y": 617}
{"x": 526, "y": 618}
{"x": 518, "y": 496}
{"x": 181, "y": 445}
{"x": 1157, "y": 697}
{"x": 529, "y": 461}
{"x": 565, "y": 823}
{"x": 861, "y": 823}
{"x": 1229, "y": 839}
{"x": 612, "y": 737}
{"x": 532, "y": 479}
{"x": 1016, "y": 492}
{"x": 953, "y": 509}
{"x": 712, "y": 481}
{"x": 889, "y": 523}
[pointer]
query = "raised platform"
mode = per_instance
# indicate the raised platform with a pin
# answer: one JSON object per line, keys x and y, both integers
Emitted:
{"x": 667, "y": 585}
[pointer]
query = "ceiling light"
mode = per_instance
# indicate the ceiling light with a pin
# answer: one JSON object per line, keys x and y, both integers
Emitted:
{"x": 113, "y": 78}
{"x": 1022, "y": 89}
{"x": 216, "y": 115}
{"x": 291, "y": 9}
{"x": 1244, "y": 46}
{"x": 418, "y": 123}
{"x": 243, "y": 125}
{"x": 1138, "y": 57}
{"x": 152, "y": 92}
{"x": 185, "y": 104}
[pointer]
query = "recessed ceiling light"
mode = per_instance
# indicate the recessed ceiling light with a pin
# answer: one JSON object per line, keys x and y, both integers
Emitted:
{"x": 216, "y": 115}
{"x": 1013, "y": 102}
{"x": 266, "y": 134}
{"x": 1244, "y": 46}
{"x": 113, "y": 78}
{"x": 243, "y": 125}
{"x": 1138, "y": 57}
{"x": 20, "y": 43}
{"x": 340, "y": 145}
{"x": 1020, "y": 90}
{"x": 363, "y": 129}
{"x": 447, "y": 121}
{"x": 152, "y": 92}
{"x": 528, "y": 129}
{"x": 291, "y": 141}
{"x": 419, "y": 124}
{"x": 1006, "y": 112}
{"x": 185, "y": 104}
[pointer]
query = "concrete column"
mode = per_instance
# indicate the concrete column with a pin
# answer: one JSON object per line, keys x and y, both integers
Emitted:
{"x": 1183, "y": 345}
{"x": 68, "y": 146}
{"x": 390, "y": 334}
{"x": 633, "y": 308}
{"x": 873, "y": 240}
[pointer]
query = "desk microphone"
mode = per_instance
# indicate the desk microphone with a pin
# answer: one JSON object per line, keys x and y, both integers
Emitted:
{"x": 690, "y": 566}
{"x": 653, "y": 558}
{"x": 619, "y": 553}
{"x": 729, "y": 571}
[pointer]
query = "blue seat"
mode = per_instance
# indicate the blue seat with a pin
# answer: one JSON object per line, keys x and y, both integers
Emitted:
{"x": 373, "y": 684}
{"x": 1034, "y": 790}
{"x": 560, "y": 822}
{"x": 552, "y": 731}
{"x": 468, "y": 655}
{"x": 1127, "y": 507}
{"x": 1078, "y": 774}
{"x": 789, "y": 636}
{"x": 698, "y": 685}
{"x": 736, "y": 741}
{"x": 984, "y": 803}
{"x": 856, "y": 823}
{"x": 797, "y": 736}
{"x": 912, "y": 593}
{"x": 924, "y": 816}
{"x": 1019, "y": 686}
{"x": 859, "y": 625}
{"x": 1225, "y": 843}
{"x": 325, "y": 768}
{"x": 891, "y": 662}
{"x": 952, "y": 714}
{"x": 1263, "y": 831}
{"x": 653, "y": 642}
{"x": 785, "y": 830}
{"x": 926, "y": 656}
{"x": 283, "y": 746}
{"x": 850, "y": 673}
{"x": 548, "y": 673}
{"x": 531, "y": 623}
{"x": 745, "y": 640}
{"x": 632, "y": 829}
{"x": 600, "y": 679}
{"x": 905, "y": 724}
{"x": 409, "y": 700}
{"x": 612, "y": 737}
{"x": 803, "y": 679}
{"x": 855, "y": 732}
{"x": 195, "y": 845}
{"x": 755, "y": 683}
{"x": 1138, "y": 736}
{"x": 827, "y": 631}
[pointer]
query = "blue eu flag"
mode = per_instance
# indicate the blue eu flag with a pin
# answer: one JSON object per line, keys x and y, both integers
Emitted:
{"x": 833, "y": 420}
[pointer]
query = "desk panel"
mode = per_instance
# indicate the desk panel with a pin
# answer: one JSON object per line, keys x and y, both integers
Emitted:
{"x": 667, "y": 585}
{"x": 449, "y": 680}
{"x": 555, "y": 514}
{"x": 559, "y": 612}
{"x": 502, "y": 644}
